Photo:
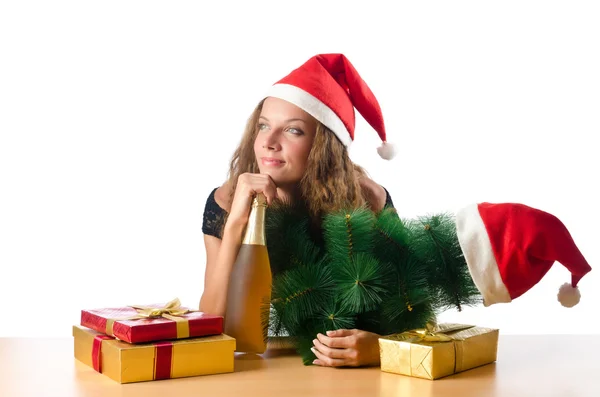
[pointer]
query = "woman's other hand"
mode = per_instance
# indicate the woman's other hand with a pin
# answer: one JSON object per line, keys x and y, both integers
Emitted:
{"x": 346, "y": 348}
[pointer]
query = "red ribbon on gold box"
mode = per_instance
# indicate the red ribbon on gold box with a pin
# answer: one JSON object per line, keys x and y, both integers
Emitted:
{"x": 126, "y": 363}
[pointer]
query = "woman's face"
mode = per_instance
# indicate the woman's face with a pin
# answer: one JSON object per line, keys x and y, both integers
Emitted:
{"x": 283, "y": 142}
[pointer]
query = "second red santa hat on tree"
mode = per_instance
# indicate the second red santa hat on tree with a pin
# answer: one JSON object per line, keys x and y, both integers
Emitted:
{"x": 509, "y": 248}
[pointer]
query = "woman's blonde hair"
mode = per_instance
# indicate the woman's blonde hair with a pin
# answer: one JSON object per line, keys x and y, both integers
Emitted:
{"x": 331, "y": 180}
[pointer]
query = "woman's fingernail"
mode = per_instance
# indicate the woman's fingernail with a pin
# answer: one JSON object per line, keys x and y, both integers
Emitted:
{"x": 313, "y": 350}
{"x": 314, "y": 341}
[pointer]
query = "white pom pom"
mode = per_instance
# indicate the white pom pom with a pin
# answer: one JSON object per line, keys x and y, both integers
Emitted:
{"x": 386, "y": 151}
{"x": 568, "y": 296}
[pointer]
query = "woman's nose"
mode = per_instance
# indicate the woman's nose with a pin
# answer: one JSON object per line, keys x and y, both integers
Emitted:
{"x": 271, "y": 141}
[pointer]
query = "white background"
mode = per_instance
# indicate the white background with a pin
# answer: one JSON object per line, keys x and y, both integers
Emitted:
{"x": 117, "y": 119}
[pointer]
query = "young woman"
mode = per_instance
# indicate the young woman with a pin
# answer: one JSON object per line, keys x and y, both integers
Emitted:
{"x": 295, "y": 148}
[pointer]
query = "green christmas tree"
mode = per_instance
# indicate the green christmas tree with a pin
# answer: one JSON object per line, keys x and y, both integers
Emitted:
{"x": 360, "y": 269}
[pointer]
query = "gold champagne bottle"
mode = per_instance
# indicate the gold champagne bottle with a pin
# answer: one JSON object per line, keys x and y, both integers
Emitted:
{"x": 249, "y": 293}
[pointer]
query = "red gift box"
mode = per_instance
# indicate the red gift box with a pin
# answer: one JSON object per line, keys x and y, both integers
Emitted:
{"x": 139, "y": 324}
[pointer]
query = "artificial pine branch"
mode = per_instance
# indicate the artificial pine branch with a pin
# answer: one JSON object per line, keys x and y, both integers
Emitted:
{"x": 362, "y": 282}
{"x": 391, "y": 245}
{"x": 435, "y": 243}
{"x": 411, "y": 306}
{"x": 391, "y": 230}
{"x": 412, "y": 293}
{"x": 372, "y": 271}
{"x": 330, "y": 316}
{"x": 348, "y": 232}
{"x": 283, "y": 221}
{"x": 334, "y": 315}
{"x": 299, "y": 293}
{"x": 418, "y": 317}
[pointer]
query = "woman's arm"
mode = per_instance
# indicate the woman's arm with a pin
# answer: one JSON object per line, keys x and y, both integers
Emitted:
{"x": 374, "y": 193}
{"x": 220, "y": 257}
{"x": 222, "y": 253}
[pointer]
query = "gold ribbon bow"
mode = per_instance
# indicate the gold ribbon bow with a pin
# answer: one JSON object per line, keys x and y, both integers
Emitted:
{"x": 431, "y": 333}
{"x": 172, "y": 311}
{"x": 173, "y": 308}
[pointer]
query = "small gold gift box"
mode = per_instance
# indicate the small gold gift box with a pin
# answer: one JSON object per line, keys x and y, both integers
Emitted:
{"x": 438, "y": 351}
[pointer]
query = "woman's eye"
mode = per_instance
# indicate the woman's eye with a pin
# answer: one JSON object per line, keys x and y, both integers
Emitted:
{"x": 295, "y": 131}
{"x": 261, "y": 126}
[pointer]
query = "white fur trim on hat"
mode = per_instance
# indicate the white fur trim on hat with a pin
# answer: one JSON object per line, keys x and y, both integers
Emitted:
{"x": 312, "y": 106}
{"x": 477, "y": 249}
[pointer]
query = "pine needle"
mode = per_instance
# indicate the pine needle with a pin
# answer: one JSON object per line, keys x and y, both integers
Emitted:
{"x": 347, "y": 233}
{"x": 361, "y": 283}
{"x": 299, "y": 293}
{"x": 330, "y": 317}
{"x": 436, "y": 244}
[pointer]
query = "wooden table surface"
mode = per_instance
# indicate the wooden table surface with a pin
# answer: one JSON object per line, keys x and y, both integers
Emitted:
{"x": 527, "y": 366}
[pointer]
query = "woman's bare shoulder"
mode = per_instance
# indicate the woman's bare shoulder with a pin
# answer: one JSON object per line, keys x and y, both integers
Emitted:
{"x": 374, "y": 193}
{"x": 223, "y": 196}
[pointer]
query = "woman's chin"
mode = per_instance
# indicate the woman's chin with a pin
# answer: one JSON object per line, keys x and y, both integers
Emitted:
{"x": 274, "y": 174}
{"x": 280, "y": 178}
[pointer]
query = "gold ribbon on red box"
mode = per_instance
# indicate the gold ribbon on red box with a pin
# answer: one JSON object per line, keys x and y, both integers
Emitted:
{"x": 150, "y": 323}
{"x": 172, "y": 311}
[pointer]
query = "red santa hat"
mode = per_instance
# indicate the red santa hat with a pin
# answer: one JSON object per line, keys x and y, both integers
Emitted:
{"x": 329, "y": 88}
{"x": 510, "y": 247}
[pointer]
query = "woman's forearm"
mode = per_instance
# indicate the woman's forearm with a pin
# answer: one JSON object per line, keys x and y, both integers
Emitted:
{"x": 214, "y": 297}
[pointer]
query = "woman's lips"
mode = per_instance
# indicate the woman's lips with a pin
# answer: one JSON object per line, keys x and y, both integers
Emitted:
{"x": 273, "y": 162}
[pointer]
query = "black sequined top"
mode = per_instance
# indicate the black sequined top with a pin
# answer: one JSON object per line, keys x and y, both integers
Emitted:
{"x": 214, "y": 215}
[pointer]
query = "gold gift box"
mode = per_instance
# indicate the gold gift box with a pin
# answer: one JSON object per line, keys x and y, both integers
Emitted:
{"x": 440, "y": 351}
{"x": 126, "y": 363}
